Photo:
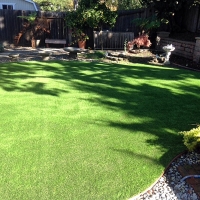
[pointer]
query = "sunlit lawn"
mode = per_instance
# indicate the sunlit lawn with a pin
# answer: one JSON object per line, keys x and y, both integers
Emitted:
{"x": 78, "y": 130}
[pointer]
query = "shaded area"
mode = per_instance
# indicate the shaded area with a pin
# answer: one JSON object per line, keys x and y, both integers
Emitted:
{"x": 167, "y": 101}
{"x": 148, "y": 104}
{"x": 23, "y": 78}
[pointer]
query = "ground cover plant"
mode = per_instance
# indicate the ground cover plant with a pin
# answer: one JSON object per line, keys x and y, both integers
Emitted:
{"x": 80, "y": 130}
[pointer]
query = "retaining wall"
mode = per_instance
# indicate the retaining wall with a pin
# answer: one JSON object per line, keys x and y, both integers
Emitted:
{"x": 196, "y": 56}
{"x": 182, "y": 48}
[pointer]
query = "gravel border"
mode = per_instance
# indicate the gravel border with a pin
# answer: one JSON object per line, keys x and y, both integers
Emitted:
{"x": 171, "y": 185}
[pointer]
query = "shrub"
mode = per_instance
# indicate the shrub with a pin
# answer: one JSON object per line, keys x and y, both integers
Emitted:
{"x": 147, "y": 24}
{"x": 191, "y": 139}
{"x": 142, "y": 40}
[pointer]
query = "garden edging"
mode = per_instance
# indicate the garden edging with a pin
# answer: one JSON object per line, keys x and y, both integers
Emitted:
{"x": 168, "y": 166}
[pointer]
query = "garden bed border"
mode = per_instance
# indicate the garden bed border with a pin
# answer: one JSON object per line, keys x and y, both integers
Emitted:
{"x": 190, "y": 50}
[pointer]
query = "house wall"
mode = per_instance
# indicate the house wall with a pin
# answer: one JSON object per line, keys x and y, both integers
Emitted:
{"x": 20, "y": 4}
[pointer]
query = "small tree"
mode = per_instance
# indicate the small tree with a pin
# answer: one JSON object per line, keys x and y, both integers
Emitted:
{"x": 90, "y": 14}
{"x": 148, "y": 26}
{"x": 167, "y": 9}
{"x": 34, "y": 26}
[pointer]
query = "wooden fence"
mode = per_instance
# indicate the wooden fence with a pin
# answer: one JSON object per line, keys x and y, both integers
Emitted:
{"x": 111, "y": 40}
{"x": 11, "y": 25}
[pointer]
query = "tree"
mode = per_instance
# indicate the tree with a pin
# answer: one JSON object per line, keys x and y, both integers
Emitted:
{"x": 167, "y": 9}
{"x": 90, "y": 14}
{"x": 128, "y": 4}
{"x": 54, "y": 5}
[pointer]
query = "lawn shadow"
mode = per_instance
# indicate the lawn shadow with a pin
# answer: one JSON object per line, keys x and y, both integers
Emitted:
{"x": 166, "y": 90}
{"x": 27, "y": 77}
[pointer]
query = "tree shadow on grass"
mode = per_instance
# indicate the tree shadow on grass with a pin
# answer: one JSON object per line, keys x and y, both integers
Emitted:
{"x": 167, "y": 101}
{"x": 27, "y": 77}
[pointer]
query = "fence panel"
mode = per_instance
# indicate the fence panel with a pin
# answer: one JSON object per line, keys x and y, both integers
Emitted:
{"x": 11, "y": 25}
{"x": 111, "y": 40}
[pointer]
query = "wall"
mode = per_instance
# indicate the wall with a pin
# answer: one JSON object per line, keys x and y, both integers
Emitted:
{"x": 20, "y": 4}
{"x": 11, "y": 25}
{"x": 196, "y": 56}
{"x": 182, "y": 48}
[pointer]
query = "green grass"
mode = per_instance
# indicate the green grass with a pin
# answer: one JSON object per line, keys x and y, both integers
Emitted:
{"x": 78, "y": 130}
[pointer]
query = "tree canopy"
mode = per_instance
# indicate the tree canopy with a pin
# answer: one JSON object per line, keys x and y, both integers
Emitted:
{"x": 169, "y": 10}
{"x": 54, "y": 5}
{"x": 65, "y": 5}
{"x": 91, "y": 13}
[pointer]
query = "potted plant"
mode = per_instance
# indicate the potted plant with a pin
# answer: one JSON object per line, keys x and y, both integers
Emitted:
{"x": 77, "y": 25}
{"x": 89, "y": 16}
{"x": 34, "y": 27}
{"x": 80, "y": 37}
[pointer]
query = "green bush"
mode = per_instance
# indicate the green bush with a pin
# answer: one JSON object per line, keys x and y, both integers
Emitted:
{"x": 191, "y": 139}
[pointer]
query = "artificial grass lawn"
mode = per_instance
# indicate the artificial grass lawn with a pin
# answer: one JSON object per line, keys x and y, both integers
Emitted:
{"x": 78, "y": 130}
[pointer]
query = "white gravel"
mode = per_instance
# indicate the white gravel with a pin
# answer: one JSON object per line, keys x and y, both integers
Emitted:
{"x": 172, "y": 186}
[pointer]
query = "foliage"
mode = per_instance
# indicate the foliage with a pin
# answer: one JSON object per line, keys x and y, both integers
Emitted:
{"x": 169, "y": 6}
{"x": 36, "y": 26}
{"x": 191, "y": 138}
{"x": 79, "y": 35}
{"x": 75, "y": 22}
{"x": 53, "y": 5}
{"x": 99, "y": 15}
{"x": 142, "y": 40}
{"x": 90, "y": 14}
{"x": 167, "y": 9}
{"x": 147, "y": 24}
{"x": 128, "y": 4}
{"x": 121, "y": 4}
{"x": 30, "y": 18}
